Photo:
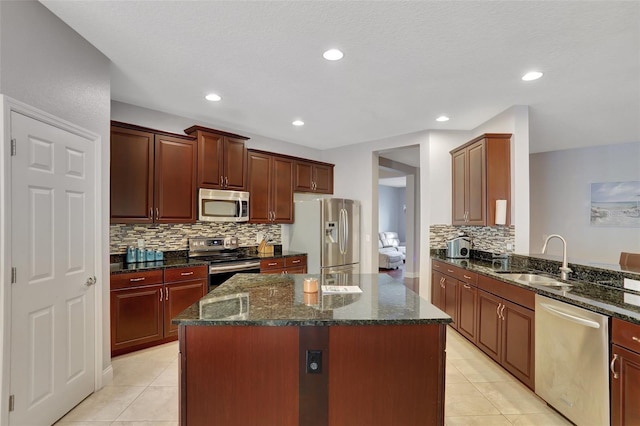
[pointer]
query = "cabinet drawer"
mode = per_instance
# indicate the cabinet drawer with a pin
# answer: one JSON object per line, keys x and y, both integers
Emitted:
{"x": 455, "y": 271}
{"x": 275, "y": 263}
{"x": 295, "y": 261}
{"x": 626, "y": 334}
{"x": 187, "y": 273}
{"x": 136, "y": 279}
{"x": 507, "y": 291}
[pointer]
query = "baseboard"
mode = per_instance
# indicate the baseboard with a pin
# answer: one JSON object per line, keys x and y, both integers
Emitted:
{"x": 107, "y": 375}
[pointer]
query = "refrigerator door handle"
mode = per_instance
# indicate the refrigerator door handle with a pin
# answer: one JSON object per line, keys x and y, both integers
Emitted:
{"x": 340, "y": 231}
{"x": 346, "y": 231}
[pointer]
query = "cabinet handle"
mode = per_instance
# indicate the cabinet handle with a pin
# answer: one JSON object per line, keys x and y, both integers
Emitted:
{"x": 635, "y": 339}
{"x": 466, "y": 277}
{"x": 272, "y": 264}
{"x": 151, "y": 213}
{"x": 467, "y": 286}
{"x": 133, "y": 280}
{"x": 502, "y": 312}
{"x": 295, "y": 261}
{"x": 612, "y": 366}
{"x": 450, "y": 271}
{"x": 222, "y": 181}
{"x": 226, "y": 181}
{"x": 157, "y": 214}
{"x": 166, "y": 293}
{"x": 185, "y": 274}
{"x": 498, "y": 310}
{"x": 161, "y": 295}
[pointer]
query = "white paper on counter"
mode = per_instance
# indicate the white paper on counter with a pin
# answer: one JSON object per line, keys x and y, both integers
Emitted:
{"x": 340, "y": 289}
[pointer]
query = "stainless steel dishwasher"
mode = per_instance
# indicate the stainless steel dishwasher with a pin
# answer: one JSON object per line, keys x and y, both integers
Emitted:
{"x": 572, "y": 352}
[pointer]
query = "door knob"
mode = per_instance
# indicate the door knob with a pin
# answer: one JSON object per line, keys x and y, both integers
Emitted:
{"x": 91, "y": 281}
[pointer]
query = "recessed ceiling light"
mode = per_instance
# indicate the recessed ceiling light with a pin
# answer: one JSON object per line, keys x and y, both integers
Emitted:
{"x": 298, "y": 123}
{"x": 213, "y": 97}
{"x": 333, "y": 55}
{"x": 442, "y": 118}
{"x": 532, "y": 75}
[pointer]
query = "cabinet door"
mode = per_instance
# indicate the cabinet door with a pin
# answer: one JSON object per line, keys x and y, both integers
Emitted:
{"x": 303, "y": 176}
{"x": 178, "y": 297}
{"x": 235, "y": 164}
{"x": 323, "y": 179}
{"x": 489, "y": 324}
{"x": 282, "y": 190}
{"x": 451, "y": 299}
{"x": 259, "y": 187}
{"x": 467, "y": 302}
{"x": 459, "y": 177}
{"x": 437, "y": 291}
{"x": 625, "y": 387}
{"x": 175, "y": 182}
{"x": 210, "y": 160}
{"x": 131, "y": 176}
{"x": 476, "y": 184}
{"x": 136, "y": 316}
{"x": 518, "y": 340}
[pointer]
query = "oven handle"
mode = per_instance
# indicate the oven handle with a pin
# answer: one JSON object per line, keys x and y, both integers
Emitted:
{"x": 243, "y": 267}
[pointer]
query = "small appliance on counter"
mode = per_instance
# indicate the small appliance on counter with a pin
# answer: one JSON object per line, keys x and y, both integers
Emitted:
{"x": 459, "y": 247}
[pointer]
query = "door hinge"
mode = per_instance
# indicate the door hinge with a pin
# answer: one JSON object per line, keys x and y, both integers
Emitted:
{"x": 13, "y": 147}
{"x": 12, "y": 400}
{"x": 14, "y": 275}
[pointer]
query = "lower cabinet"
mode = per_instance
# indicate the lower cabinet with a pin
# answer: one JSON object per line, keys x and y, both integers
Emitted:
{"x": 467, "y": 310}
{"x": 143, "y": 304}
{"x": 625, "y": 373}
{"x": 284, "y": 265}
{"x": 506, "y": 333}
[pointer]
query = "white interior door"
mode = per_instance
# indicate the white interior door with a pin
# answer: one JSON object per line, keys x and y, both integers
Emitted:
{"x": 52, "y": 251}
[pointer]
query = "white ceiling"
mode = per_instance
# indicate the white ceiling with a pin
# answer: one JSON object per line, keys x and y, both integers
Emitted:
{"x": 405, "y": 64}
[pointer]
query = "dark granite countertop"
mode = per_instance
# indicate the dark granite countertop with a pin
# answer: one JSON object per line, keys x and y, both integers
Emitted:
{"x": 182, "y": 261}
{"x": 279, "y": 300}
{"x": 611, "y": 300}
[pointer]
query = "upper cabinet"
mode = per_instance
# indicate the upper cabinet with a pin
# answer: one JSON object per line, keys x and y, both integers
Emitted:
{"x": 481, "y": 175}
{"x": 222, "y": 159}
{"x": 312, "y": 176}
{"x": 270, "y": 187}
{"x": 153, "y": 176}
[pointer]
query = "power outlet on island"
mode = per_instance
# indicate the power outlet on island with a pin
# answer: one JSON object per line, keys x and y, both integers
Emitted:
{"x": 314, "y": 362}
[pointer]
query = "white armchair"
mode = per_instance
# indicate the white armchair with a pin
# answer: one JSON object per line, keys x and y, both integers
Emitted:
{"x": 390, "y": 239}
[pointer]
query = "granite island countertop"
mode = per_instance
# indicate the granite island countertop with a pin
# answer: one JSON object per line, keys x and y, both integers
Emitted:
{"x": 613, "y": 301}
{"x": 279, "y": 300}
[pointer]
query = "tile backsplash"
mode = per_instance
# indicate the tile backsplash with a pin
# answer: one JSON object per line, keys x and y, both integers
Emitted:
{"x": 172, "y": 237}
{"x": 492, "y": 239}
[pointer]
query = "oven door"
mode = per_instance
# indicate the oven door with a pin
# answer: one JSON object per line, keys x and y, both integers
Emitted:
{"x": 220, "y": 273}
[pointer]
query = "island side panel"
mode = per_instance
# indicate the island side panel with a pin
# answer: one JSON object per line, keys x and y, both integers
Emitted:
{"x": 239, "y": 375}
{"x": 387, "y": 375}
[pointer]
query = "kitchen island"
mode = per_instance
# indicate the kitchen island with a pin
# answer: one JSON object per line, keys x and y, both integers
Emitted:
{"x": 258, "y": 350}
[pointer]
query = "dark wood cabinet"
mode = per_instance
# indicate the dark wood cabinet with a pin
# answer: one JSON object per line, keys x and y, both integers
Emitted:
{"x": 480, "y": 176}
{"x": 142, "y": 305}
{"x": 310, "y": 176}
{"x": 284, "y": 265}
{"x": 489, "y": 324}
{"x": 271, "y": 188}
{"x": 467, "y": 310}
{"x": 153, "y": 176}
{"x": 222, "y": 159}
{"x": 450, "y": 304}
{"x": 625, "y": 373}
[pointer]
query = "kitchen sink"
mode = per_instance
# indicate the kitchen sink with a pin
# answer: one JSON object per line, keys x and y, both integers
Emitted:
{"x": 535, "y": 279}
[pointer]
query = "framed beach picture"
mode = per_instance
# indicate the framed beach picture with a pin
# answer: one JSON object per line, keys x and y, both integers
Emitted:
{"x": 615, "y": 204}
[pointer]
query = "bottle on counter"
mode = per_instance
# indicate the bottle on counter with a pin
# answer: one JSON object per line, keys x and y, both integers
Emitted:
{"x": 150, "y": 255}
{"x": 140, "y": 254}
{"x": 158, "y": 255}
{"x": 131, "y": 254}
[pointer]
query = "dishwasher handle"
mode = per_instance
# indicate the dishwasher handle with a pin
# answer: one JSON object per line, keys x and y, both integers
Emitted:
{"x": 574, "y": 318}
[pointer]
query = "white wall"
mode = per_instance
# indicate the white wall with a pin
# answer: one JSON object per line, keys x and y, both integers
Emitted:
{"x": 49, "y": 66}
{"x": 561, "y": 201}
{"x": 158, "y": 120}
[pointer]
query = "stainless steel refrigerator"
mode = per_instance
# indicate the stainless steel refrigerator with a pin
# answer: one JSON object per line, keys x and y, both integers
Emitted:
{"x": 328, "y": 230}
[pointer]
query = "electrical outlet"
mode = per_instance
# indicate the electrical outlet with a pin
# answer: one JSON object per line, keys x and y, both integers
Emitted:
{"x": 314, "y": 362}
{"x": 509, "y": 246}
{"x": 259, "y": 237}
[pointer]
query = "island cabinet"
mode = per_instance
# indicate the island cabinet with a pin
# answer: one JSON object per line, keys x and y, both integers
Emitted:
{"x": 625, "y": 373}
{"x": 284, "y": 265}
{"x": 270, "y": 186}
{"x": 505, "y": 326}
{"x": 279, "y": 358}
{"x": 480, "y": 176}
{"x": 143, "y": 304}
{"x": 153, "y": 176}
{"x": 312, "y": 176}
{"x": 222, "y": 159}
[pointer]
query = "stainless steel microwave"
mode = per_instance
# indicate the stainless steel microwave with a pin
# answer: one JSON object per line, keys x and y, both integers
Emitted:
{"x": 223, "y": 206}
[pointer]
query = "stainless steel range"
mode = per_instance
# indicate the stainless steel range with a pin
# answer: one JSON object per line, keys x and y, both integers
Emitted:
{"x": 224, "y": 256}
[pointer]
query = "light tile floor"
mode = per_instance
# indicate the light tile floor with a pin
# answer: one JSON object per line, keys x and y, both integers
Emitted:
{"x": 144, "y": 392}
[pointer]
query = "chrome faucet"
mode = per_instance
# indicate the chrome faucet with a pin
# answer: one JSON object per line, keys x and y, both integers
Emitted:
{"x": 564, "y": 269}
